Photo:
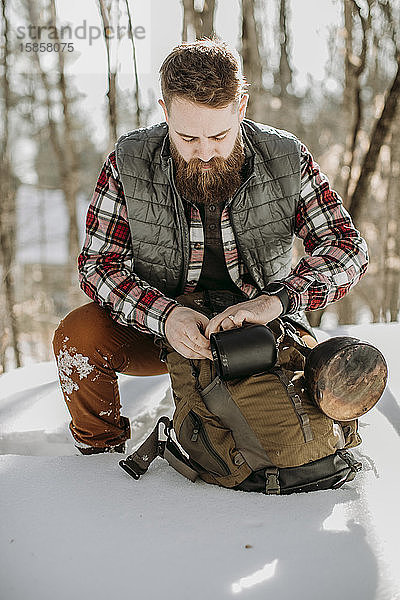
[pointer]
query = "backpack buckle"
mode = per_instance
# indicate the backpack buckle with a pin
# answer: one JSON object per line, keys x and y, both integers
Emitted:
{"x": 272, "y": 481}
{"x": 354, "y": 464}
{"x": 132, "y": 468}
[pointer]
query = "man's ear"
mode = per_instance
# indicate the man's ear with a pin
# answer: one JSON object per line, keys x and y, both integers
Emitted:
{"x": 243, "y": 106}
{"x": 163, "y": 106}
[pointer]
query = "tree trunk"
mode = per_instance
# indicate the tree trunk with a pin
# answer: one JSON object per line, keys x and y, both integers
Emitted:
{"x": 346, "y": 310}
{"x": 285, "y": 71}
{"x": 378, "y": 136}
{"x": 65, "y": 150}
{"x": 7, "y": 248}
{"x": 7, "y": 213}
{"x": 314, "y": 317}
{"x": 391, "y": 279}
{"x": 352, "y": 105}
{"x": 205, "y": 20}
{"x": 69, "y": 167}
{"x": 198, "y": 24}
{"x": 111, "y": 75}
{"x": 252, "y": 64}
{"x": 138, "y": 112}
{"x": 70, "y": 152}
{"x": 188, "y": 27}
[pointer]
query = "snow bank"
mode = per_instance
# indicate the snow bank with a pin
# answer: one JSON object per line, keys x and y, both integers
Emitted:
{"x": 80, "y": 526}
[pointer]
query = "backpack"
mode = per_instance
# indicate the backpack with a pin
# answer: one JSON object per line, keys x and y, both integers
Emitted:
{"x": 259, "y": 433}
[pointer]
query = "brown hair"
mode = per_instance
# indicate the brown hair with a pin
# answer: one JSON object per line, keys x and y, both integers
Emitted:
{"x": 206, "y": 71}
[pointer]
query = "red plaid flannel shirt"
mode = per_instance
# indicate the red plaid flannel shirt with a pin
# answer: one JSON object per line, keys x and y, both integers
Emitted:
{"x": 336, "y": 258}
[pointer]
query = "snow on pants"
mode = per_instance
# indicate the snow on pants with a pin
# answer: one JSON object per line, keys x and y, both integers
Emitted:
{"x": 90, "y": 349}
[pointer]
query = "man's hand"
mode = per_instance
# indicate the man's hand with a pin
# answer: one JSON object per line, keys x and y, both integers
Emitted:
{"x": 260, "y": 310}
{"x": 184, "y": 329}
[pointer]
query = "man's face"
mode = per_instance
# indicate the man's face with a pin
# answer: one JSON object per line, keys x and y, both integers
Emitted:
{"x": 198, "y": 131}
{"x": 207, "y": 149}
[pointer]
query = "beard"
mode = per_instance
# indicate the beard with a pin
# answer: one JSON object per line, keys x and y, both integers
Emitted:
{"x": 214, "y": 185}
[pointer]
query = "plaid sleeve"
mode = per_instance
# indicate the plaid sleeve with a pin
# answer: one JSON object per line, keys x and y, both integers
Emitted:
{"x": 337, "y": 254}
{"x": 106, "y": 263}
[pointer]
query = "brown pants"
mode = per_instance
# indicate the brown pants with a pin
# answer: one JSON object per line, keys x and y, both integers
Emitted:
{"x": 90, "y": 349}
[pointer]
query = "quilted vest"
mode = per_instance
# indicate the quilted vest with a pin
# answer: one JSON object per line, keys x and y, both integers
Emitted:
{"x": 262, "y": 211}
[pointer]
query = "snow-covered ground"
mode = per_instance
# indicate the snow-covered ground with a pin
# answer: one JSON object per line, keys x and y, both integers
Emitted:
{"x": 78, "y": 526}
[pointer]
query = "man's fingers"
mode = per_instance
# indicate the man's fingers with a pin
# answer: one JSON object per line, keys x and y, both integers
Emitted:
{"x": 198, "y": 334}
{"x": 227, "y": 320}
{"x": 189, "y": 352}
{"x": 213, "y": 326}
{"x": 197, "y": 344}
{"x": 203, "y": 349}
{"x": 228, "y": 323}
{"x": 199, "y": 340}
{"x": 184, "y": 329}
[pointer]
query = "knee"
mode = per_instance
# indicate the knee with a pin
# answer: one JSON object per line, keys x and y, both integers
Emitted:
{"x": 80, "y": 329}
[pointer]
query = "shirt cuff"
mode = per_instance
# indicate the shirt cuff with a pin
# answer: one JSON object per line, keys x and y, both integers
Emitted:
{"x": 284, "y": 294}
{"x": 156, "y": 314}
{"x": 297, "y": 299}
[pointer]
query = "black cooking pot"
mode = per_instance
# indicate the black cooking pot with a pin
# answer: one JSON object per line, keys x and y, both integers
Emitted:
{"x": 243, "y": 351}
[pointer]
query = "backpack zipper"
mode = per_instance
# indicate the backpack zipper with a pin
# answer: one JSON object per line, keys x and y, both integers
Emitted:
{"x": 199, "y": 430}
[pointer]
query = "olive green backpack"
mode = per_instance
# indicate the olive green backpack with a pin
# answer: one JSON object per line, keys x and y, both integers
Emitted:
{"x": 262, "y": 433}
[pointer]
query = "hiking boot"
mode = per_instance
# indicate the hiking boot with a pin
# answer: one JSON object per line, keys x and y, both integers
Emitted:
{"x": 121, "y": 449}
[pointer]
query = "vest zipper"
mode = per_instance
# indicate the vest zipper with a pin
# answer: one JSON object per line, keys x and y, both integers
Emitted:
{"x": 240, "y": 188}
{"x": 199, "y": 430}
{"x": 183, "y": 229}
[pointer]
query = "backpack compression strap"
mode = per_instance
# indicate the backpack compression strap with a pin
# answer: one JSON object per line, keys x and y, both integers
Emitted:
{"x": 137, "y": 463}
{"x": 295, "y": 399}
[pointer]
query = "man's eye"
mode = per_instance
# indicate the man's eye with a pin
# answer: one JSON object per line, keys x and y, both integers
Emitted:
{"x": 188, "y": 139}
{"x": 219, "y": 139}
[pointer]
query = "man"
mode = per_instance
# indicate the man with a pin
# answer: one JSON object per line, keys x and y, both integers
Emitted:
{"x": 204, "y": 200}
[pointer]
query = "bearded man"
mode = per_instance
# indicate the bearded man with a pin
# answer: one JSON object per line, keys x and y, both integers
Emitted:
{"x": 206, "y": 200}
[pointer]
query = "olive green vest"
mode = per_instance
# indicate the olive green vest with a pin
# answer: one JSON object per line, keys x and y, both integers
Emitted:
{"x": 262, "y": 211}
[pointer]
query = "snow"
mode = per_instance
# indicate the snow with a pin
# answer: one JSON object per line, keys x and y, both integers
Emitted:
{"x": 67, "y": 362}
{"x": 80, "y": 526}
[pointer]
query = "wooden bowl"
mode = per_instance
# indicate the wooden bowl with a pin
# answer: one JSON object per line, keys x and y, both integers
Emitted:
{"x": 345, "y": 376}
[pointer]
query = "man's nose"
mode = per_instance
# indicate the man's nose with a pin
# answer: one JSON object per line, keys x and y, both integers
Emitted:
{"x": 205, "y": 151}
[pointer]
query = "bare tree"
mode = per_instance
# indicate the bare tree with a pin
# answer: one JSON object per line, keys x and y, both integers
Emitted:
{"x": 7, "y": 213}
{"x": 198, "y": 21}
{"x": 378, "y": 136}
{"x": 355, "y": 65}
{"x": 70, "y": 174}
{"x": 391, "y": 271}
{"x": 105, "y": 12}
{"x": 285, "y": 72}
{"x": 252, "y": 63}
{"x": 63, "y": 143}
{"x": 138, "y": 111}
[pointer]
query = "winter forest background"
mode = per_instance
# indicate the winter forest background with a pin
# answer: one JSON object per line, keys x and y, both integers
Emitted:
{"x": 75, "y": 75}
